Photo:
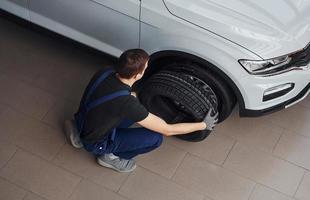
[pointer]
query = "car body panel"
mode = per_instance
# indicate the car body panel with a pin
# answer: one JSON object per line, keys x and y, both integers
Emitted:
{"x": 18, "y": 7}
{"x": 163, "y": 32}
{"x": 256, "y": 25}
{"x": 98, "y": 23}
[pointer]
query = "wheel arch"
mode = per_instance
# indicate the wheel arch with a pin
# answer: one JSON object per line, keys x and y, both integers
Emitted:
{"x": 161, "y": 56}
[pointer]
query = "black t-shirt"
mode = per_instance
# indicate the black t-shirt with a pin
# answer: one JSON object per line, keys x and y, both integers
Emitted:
{"x": 103, "y": 118}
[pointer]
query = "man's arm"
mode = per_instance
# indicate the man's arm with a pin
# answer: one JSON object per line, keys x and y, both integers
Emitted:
{"x": 157, "y": 124}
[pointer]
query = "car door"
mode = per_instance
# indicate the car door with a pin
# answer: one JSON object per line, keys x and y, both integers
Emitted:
{"x": 17, "y": 7}
{"x": 109, "y": 25}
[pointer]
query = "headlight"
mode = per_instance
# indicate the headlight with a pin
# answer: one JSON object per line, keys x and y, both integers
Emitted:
{"x": 265, "y": 67}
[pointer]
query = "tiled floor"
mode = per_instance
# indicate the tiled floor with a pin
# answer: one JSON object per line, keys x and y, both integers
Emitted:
{"x": 41, "y": 81}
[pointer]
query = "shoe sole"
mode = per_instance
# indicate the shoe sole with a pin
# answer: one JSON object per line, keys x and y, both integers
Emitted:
{"x": 104, "y": 164}
{"x": 68, "y": 130}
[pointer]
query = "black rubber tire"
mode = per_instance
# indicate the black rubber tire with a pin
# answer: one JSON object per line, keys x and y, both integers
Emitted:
{"x": 176, "y": 97}
{"x": 225, "y": 96}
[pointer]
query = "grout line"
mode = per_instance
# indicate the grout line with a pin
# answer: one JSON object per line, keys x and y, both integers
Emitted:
{"x": 208, "y": 197}
{"x": 7, "y": 162}
{"x": 74, "y": 188}
{"x": 18, "y": 186}
{"x": 155, "y": 173}
{"x": 251, "y": 194}
{"x": 27, "y": 115}
{"x": 276, "y": 157}
{"x": 123, "y": 183}
{"x": 41, "y": 156}
{"x": 50, "y": 162}
{"x": 290, "y": 130}
{"x": 36, "y": 86}
{"x": 302, "y": 179}
{"x": 204, "y": 159}
{"x": 105, "y": 187}
{"x": 276, "y": 144}
{"x": 235, "y": 143}
{"x": 123, "y": 196}
{"x": 29, "y": 192}
{"x": 49, "y": 110}
{"x": 57, "y": 153}
{"x": 178, "y": 166}
{"x": 290, "y": 162}
{"x": 274, "y": 190}
{"x": 254, "y": 181}
{"x": 171, "y": 181}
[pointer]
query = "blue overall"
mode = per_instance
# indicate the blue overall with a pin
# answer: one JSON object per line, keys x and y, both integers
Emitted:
{"x": 122, "y": 141}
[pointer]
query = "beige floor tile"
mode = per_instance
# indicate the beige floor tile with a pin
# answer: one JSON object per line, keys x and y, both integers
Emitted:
{"x": 211, "y": 180}
{"x": 72, "y": 78}
{"x": 263, "y": 193}
{"x": 3, "y": 108}
{"x": 31, "y": 134}
{"x": 9, "y": 191}
{"x": 82, "y": 163}
{"x": 306, "y": 102}
{"x": 24, "y": 97}
{"x": 294, "y": 148}
{"x": 39, "y": 176}
{"x": 264, "y": 168}
{"x": 143, "y": 184}
{"x": 295, "y": 118}
{"x": 59, "y": 113}
{"x": 303, "y": 192}
{"x": 88, "y": 190}
{"x": 31, "y": 196}
{"x": 163, "y": 161}
{"x": 6, "y": 152}
{"x": 214, "y": 148}
{"x": 63, "y": 88}
{"x": 256, "y": 132}
{"x": 28, "y": 67}
{"x": 10, "y": 121}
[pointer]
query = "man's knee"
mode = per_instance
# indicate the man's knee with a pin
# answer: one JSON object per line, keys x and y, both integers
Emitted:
{"x": 159, "y": 140}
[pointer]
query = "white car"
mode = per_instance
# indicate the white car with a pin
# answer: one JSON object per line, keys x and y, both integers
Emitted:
{"x": 204, "y": 53}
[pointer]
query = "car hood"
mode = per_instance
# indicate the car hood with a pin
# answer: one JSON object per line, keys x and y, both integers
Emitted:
{"x": 269, "y": 28}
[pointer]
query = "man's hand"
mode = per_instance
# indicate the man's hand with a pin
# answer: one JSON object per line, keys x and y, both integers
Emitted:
{"x": 210, "y": 120}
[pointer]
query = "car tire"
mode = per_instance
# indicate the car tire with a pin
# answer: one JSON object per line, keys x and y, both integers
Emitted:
{"x": 225, "y": 96}
{"x": 178, "y": 97}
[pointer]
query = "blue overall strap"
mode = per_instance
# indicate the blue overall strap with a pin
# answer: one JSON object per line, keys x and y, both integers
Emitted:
{"x": 79, "y": 116}
{"x": 106, "y": 98}
{"x": 87, "y": 106}
{"x": 97, "y": 82}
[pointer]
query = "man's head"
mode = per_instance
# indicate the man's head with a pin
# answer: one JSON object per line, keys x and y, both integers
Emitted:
{"x": 132, "y": 64}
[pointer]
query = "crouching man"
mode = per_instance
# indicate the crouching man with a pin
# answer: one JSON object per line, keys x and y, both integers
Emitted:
{"x": 109, "y": 107}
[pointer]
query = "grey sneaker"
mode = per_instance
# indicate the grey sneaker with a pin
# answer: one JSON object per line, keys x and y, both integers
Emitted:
{"x": 72, "y": 134}
{"x": 116, "y": 163}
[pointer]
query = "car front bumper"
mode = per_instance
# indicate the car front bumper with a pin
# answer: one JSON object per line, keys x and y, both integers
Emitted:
{"x": 256, "y": 113}
{"x": 255, "y": 86}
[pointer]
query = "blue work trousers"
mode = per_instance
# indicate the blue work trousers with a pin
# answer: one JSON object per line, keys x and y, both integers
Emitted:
{"x": 127, "y": 142}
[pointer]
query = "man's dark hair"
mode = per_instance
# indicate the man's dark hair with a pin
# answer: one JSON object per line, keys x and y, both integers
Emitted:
{"x": 131, "y": 63}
